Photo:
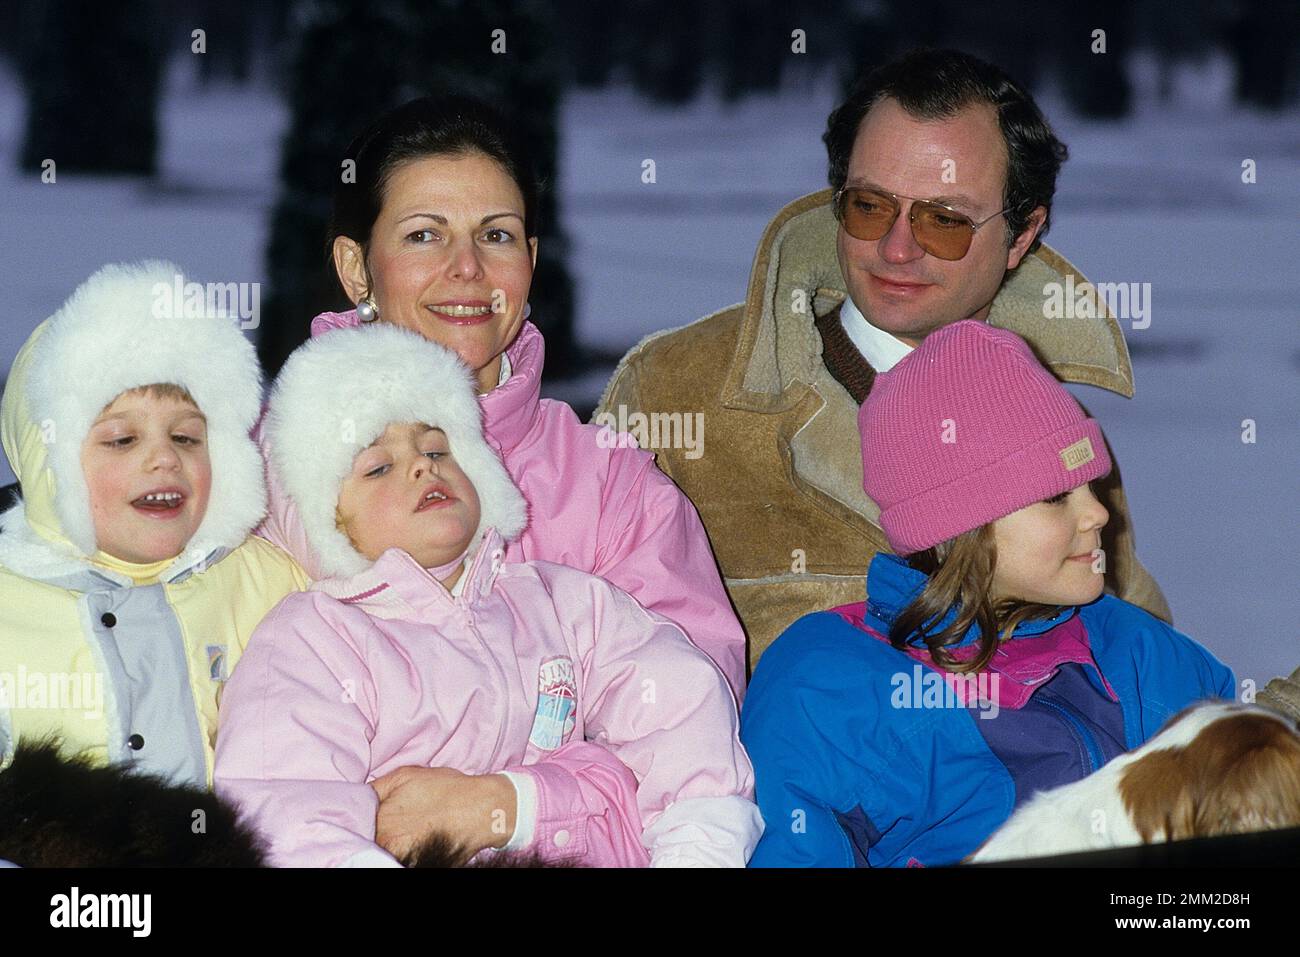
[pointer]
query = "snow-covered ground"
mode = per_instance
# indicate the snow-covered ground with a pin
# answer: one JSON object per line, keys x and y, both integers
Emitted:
{"x": 1157, "y": 198}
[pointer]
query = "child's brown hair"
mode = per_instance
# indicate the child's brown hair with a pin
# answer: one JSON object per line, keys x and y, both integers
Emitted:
{"x": 160, "y": 390}
{"x": 960, "y": 573}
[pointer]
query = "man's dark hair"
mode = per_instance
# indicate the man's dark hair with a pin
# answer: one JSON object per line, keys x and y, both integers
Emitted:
{"x": 937, "y": 84}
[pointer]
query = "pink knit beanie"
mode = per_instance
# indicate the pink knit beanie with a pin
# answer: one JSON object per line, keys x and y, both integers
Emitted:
{"x": 966, "y": 429}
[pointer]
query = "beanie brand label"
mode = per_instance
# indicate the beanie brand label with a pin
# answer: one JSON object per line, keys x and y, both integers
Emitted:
{"x": 1080, "y": 453}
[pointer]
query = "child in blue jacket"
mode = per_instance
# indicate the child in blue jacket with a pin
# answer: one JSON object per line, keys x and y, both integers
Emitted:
{"x": 986, "y": 664}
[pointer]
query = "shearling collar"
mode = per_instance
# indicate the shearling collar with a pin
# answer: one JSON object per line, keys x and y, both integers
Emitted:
{"x": 796, "y": 277}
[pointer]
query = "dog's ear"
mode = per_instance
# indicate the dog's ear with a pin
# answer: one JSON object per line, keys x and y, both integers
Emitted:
{"x": 1238, "y": 774}
{"x": 1158, "y": 789}
{"x": 1159, "y": 796}
{"x": 1249, "y": 775}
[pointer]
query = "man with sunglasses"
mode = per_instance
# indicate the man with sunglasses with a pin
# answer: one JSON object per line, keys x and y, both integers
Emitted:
{"x": 942, "y": 172}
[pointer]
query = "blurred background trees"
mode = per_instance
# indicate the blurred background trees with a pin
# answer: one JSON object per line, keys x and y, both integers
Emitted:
{"x": 93, "y": 72}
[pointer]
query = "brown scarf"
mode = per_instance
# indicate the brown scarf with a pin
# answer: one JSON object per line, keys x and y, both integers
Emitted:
{"x": 842, "y": 358}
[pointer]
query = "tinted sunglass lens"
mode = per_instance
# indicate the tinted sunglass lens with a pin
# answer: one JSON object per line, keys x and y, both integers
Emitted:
{"x": 942, "y": 233}
{"x": 866, "y": 215}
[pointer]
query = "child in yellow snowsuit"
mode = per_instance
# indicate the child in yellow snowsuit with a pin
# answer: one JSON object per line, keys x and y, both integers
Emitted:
{"x": 129, "y": 579}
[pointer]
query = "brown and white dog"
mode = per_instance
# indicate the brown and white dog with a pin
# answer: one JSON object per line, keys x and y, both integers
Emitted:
{"x": 1214, "y": 768}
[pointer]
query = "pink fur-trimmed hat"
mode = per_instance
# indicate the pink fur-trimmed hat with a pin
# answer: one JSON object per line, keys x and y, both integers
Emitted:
{"x": 966, "y": 429}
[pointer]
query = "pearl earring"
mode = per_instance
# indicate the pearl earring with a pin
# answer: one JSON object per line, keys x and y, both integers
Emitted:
{"x": 367, "y": 311}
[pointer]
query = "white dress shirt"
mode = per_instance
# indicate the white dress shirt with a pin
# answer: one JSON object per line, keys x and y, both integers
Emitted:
{"x": 881, "y": 349}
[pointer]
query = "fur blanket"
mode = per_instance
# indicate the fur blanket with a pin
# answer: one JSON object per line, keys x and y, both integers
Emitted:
{"x": 59, "y": 811}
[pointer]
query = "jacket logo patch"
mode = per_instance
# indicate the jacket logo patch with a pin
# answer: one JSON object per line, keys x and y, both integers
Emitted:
{"x": 1080, "y": 453}
{"x": 216, "y": 662}
{"x": 557, "y": 704}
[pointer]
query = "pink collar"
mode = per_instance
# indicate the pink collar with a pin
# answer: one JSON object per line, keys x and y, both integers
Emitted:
{"x": 1023, "y": 664}
{"x": 396, "y": 587}
{"x": 510, "y": 409}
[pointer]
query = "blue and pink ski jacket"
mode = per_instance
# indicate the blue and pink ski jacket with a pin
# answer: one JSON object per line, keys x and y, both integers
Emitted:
{"x": 865, "y": 755}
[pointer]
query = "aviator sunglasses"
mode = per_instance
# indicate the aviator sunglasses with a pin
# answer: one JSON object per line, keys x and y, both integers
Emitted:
{"x": 938, "y": 229}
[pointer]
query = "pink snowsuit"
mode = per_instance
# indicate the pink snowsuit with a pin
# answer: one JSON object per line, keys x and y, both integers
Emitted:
{"x": 362, "y": 675}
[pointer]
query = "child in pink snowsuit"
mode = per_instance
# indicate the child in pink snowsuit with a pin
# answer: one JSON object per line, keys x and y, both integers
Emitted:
{"x": 425, "y": 649}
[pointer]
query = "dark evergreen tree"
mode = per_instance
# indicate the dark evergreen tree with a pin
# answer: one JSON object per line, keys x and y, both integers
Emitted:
{"x": 1010, "y": 34}
{"x": 743, "y": 44}
{"x": 92, "y": 73}
{"x": 666, "y": 62}
{"x": 355, "y": 59}
{"x": 1262, "y": 40}
{"x": 1187, "y": 37}
{"x": 589, "y": 41}
{"x": 1095, "y": 84}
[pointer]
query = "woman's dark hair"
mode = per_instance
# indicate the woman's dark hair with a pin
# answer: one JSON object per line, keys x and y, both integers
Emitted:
{"x": 429, "y": 126}
{"x": 937, "y": 84}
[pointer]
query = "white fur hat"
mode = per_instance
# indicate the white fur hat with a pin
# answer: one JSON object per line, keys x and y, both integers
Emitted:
{"x": 337, "y": 393}
{"x": 120, "y": 330}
